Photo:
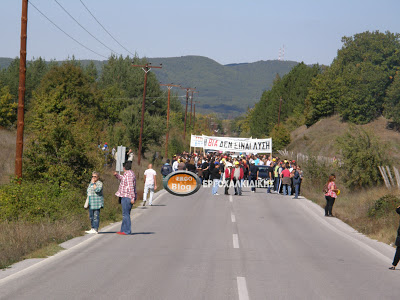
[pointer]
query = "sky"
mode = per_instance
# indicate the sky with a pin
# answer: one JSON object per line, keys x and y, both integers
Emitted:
{"x": 227, "y": 31}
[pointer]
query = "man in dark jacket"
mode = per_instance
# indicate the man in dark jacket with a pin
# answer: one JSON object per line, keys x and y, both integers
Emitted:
{"x": 296, "y": 182}
{"x": 166, "y": 169}
{"x": 253, "y": 175}
{"x": 397, "y": 243}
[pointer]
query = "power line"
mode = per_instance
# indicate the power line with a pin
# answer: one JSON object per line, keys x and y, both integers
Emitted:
{"x": 59, "y": 28}
{"x": 105, "y": 28}
{"x": 84, "y": 28}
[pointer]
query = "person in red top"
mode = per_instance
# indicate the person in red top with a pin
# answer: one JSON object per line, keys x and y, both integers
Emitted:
{"x": 127, "y": 193}
{"x": 228, "y": 176}
{"x": 330, "y": 195}
{"x": 286, "y": 182}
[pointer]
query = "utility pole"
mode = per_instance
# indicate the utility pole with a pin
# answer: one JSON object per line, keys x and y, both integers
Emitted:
{"x": 146, "y": 68}
{"x": 187, "y": 99}
{"x": 21, "y": 90}
{"x": 194, "y": 115}
{"x": 279, "y": 114}
{"x": 191, "y": 106}
{"x": 169, "y": 86}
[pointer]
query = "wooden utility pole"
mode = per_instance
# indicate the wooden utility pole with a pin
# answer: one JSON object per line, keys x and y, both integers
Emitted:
{"x": 21, "y": 90}
{"x": 146, "y": 68}
{"x": 194, "y": 114}
{"x": 169, "y": 86}
{"x": 187, "y": 100}
{"x": 191, "y": 107}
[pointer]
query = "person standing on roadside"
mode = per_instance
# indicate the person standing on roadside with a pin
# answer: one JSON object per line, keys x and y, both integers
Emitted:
{"x": 150, "y": 184}
{"x": 330, "y": 195}
{"x": 296, "y": 182}
{"x": 96, "y": 202}
{"x": 286, "y": 182}
{"x": 397, "y": 243}
{"x": 127, "y": 192}
{"x": 238, "y": 175}
{"x": 215, "y": 177}
{"x": 228, "y": 177}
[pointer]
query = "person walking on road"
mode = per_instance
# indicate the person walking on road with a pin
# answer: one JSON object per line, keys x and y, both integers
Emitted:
{"x": 127, "y": 192}
{"x": 228, "y": 177}
{"x": 330, "y": 190}
{"x": 96, "y": 202}
{"x": 150, "y": 184}
{"x": 238, "y": 175}
{"x": 166, "y": 169}
{"x": 397, "y": 243}
{"x": 215, "y": 177}
{"x": 253, "y": 175}
{"x": 286, "y": 182}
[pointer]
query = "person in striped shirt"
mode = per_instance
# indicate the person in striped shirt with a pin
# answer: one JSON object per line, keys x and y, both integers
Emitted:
{"x": 127, "y": 193}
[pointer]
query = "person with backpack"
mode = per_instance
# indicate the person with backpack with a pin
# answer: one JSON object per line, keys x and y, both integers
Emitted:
{"x": 166, "y": 169}
{"x": 331, "y": 192}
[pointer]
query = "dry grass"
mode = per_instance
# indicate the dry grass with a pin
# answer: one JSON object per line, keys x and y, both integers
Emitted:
{"x": 7, "y": 154}
{"x": 19, "y": 239}
{"x": 320, "y": 138}
{"x": 353, "y": 207}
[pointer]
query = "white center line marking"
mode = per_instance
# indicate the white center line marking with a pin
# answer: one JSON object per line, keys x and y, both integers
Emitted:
{"x": 233, "y": 218}
{"x": 230, "y": 198}
{"x": 242, "y": 288}
{"x": 235, "y": 241}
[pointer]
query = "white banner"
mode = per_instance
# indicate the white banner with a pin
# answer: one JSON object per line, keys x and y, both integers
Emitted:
{"x": 230, "y": 144}
{"x": 196, "y": 141}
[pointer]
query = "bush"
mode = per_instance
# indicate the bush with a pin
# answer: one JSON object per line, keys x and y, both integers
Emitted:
{"x": 35, "y": 202}
{"x": 280, "y": 136}
{"x": 317, "y": 172}
{"x": 362, "y": 153}
{"x": 384, "y": 206}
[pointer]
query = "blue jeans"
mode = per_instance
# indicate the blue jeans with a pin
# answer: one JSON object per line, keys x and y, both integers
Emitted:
{"x": 296, "y": 190}
{"x": 289, "y": 189}
{"x": 215, "y": 186}
{"x": 94, "y": 215}
{"x": 126, "y": 215}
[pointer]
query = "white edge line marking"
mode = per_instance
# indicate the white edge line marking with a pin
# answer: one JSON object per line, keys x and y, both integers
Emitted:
{"x": 233, "y": 218}
{"x": 242, "y": 288}
{"x": 235, "y": 241}
{"x": 230, "y": 198}
{"x": 345, "y": 235}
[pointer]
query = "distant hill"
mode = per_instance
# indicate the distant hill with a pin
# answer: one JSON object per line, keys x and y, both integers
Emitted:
{"x": 227, "y": 90}
{"x": 224, "y": 89}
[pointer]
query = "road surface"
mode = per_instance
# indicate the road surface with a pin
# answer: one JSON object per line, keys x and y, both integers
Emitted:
{"x": 254, "y": 246}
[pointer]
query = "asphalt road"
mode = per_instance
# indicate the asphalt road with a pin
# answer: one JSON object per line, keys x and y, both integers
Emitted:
{"x": 255, "y": 246}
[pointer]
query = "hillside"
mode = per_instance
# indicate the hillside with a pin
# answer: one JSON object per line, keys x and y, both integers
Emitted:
{"x": 224, "y": 89}
{"x": 316, "y": 140}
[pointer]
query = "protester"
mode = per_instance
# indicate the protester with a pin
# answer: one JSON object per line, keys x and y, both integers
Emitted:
{"x": 253, "y": 176}
{"x": 228, "y": 177}
{"x": 205, "y": 166}
{"x": 330, "y": 195}
{"x": 150, "y": 184}
{"x": 175, "y": 165}
{"x": 238, "y": 175}
{"x": 127, "y": 192}
{"x": 397, "y": 243}
{"x": 215, "y": 177}
{"x": 166, "y": 169}
{"x": 182, "y": 165}
{"x": 96, "y": 202}
{"x": 286, "y": 182}
{"x": 190, "y": 166}
{"x": 270, "y": 177}
{"x": 296, "y": 182}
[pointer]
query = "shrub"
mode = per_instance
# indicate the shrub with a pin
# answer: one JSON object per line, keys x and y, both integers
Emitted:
{"x": 384, "y": 206}
{"x": 280, "y": 136}
{"x": 362, "y": 153}
{"x": 317, "y": 172}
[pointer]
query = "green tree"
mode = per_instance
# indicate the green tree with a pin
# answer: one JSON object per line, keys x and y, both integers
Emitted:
{"x": 62, "y": 128}
{"x": 392, "y": 100}
{"x": 8, "y": 108}
{"x": 362, "y": 153}
{"x": 280, "y": 137}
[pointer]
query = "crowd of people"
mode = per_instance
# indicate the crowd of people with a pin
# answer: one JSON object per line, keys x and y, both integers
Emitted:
{"x": 281, "y": 176}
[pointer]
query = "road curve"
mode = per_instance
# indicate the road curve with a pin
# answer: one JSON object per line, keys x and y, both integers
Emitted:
{"x": 255, "y": 246}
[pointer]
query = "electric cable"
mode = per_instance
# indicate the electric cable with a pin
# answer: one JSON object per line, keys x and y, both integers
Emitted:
{"x": 59, "y": 28}
{"x": 105, "y": 29}
{"x": 84, "y": 28}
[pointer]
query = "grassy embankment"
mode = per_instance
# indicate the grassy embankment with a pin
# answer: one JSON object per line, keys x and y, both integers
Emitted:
{"x": 361, "y": 209}
{"x": 40, "y": 238}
